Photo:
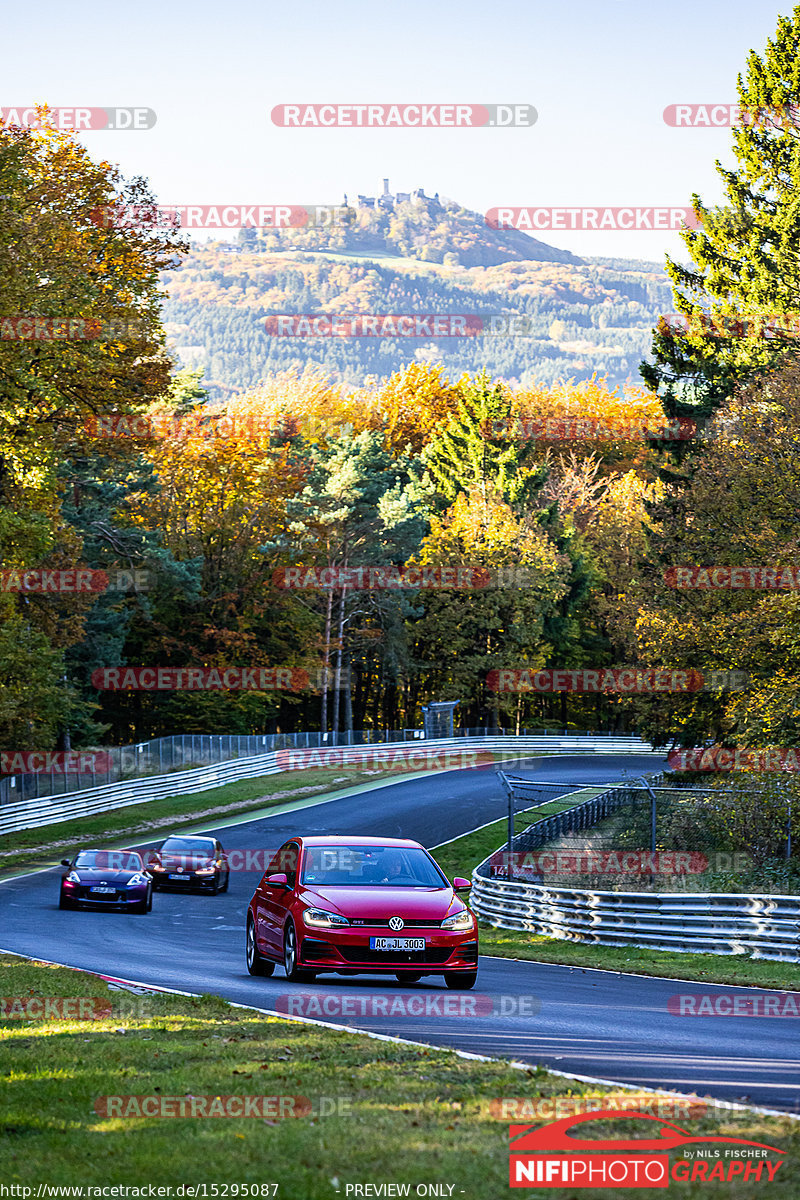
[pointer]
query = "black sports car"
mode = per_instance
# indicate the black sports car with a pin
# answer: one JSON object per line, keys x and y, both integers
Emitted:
{"x": 106, "y": 879}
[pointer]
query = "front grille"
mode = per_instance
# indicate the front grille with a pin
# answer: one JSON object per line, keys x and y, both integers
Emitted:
{"x": 383, "y": 923}
{"x": 363, "y": 954}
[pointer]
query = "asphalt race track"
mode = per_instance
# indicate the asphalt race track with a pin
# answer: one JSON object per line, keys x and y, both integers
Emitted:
{"x": 615, "y": 1027}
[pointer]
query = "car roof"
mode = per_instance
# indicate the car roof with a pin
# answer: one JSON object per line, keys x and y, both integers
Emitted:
{"x": 355, "y": 839}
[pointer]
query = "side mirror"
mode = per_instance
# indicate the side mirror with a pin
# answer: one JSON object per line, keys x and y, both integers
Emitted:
{"x": 277, "y": 880}
{"x": 461, "y": 885}
{"x": 65, "y": 862}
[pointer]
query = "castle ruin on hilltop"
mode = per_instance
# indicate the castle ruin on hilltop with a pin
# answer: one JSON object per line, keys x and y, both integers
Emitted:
{"x": 388, "y": 201}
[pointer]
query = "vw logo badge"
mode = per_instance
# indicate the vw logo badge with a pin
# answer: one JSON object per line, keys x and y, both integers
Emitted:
{"x": 396, "y": 923}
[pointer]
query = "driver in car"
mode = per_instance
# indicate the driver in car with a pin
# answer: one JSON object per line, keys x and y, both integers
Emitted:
{"x": 392, "y": 867}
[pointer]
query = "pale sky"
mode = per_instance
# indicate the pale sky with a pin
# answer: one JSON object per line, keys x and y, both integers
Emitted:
{"x": 599, "y": 75}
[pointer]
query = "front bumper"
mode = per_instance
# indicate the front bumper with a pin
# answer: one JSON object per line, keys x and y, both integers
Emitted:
{"x": 162, "y": 881}
{"x": 350, "y": 951}
{"x": 121, "y": 898}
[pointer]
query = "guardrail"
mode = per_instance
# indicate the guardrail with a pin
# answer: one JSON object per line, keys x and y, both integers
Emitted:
{"x": 760, "y": 925}
{"x": 30, "y": 814}
{"x": 184, "y": 751}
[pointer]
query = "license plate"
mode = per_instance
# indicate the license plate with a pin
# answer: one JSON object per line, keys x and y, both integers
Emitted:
{"x": 392, "y": 943}
{"x": 104, "y": 891}
{"x": 180, "y": 878}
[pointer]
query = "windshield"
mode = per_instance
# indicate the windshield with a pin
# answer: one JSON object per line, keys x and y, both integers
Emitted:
{"x": 187, "y": 845}
{"x": 370, "y": 866}
{"x": 109, "y": 860}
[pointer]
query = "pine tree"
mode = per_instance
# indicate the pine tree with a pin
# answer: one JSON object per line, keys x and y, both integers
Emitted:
{"x": 476, "y": 447}
{"x": 745, "y": 263}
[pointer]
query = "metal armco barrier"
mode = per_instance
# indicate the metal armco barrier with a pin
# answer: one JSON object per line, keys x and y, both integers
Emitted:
{"x": 759, "y": 925}
{"x": 30, "y": 814}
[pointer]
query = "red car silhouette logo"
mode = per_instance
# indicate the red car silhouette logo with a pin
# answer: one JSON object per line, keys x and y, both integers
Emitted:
{"x": 527, "y": 1138}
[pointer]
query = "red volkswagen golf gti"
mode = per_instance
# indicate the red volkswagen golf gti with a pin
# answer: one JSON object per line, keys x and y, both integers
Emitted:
{"x": 361, "y": 905}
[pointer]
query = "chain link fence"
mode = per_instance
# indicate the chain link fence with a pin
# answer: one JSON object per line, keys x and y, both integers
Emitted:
{"x": 182, "y": 752}
{"x": 658, "y": 833}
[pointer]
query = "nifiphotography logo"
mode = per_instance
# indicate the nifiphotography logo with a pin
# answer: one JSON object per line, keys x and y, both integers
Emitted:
{"x": 550, "y": 1156}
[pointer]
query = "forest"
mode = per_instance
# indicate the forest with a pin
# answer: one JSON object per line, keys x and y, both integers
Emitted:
{"x": 512, "y": 523}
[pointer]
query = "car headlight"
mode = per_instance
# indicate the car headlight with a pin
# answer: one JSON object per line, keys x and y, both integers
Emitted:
{"x": 156, "y": 867}
{"x": 319, "y": 918}
{"x": 204, "y": 870}
{"x": 73, "y": 877}
{"x": 458, "y": 921}
{"x": 137, "y": 880}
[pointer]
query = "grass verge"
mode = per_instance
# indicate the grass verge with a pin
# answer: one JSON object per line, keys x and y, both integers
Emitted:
{"x": 462, "y": 855}
{"x": 396, "y": 1114}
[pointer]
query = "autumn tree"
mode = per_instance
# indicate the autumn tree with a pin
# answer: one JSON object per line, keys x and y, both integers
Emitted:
{"x": 738, "y": 509}
{"x": 81, "y": 333}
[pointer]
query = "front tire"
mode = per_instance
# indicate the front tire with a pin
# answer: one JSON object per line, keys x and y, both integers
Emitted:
{"x": 462, "y": 981}
{"x": 293, "y": 972}
{"x": 63, "y": 902}
{"x": 256, "y": 963}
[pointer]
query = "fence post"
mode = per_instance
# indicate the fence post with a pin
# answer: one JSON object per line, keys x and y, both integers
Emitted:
{"x": 646, "y": 785}
{"x": 510, "y": 796}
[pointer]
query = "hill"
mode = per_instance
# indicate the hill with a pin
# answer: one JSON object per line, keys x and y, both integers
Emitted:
{"x": 572, "y": 317}
{"x": 425, "y": 229}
